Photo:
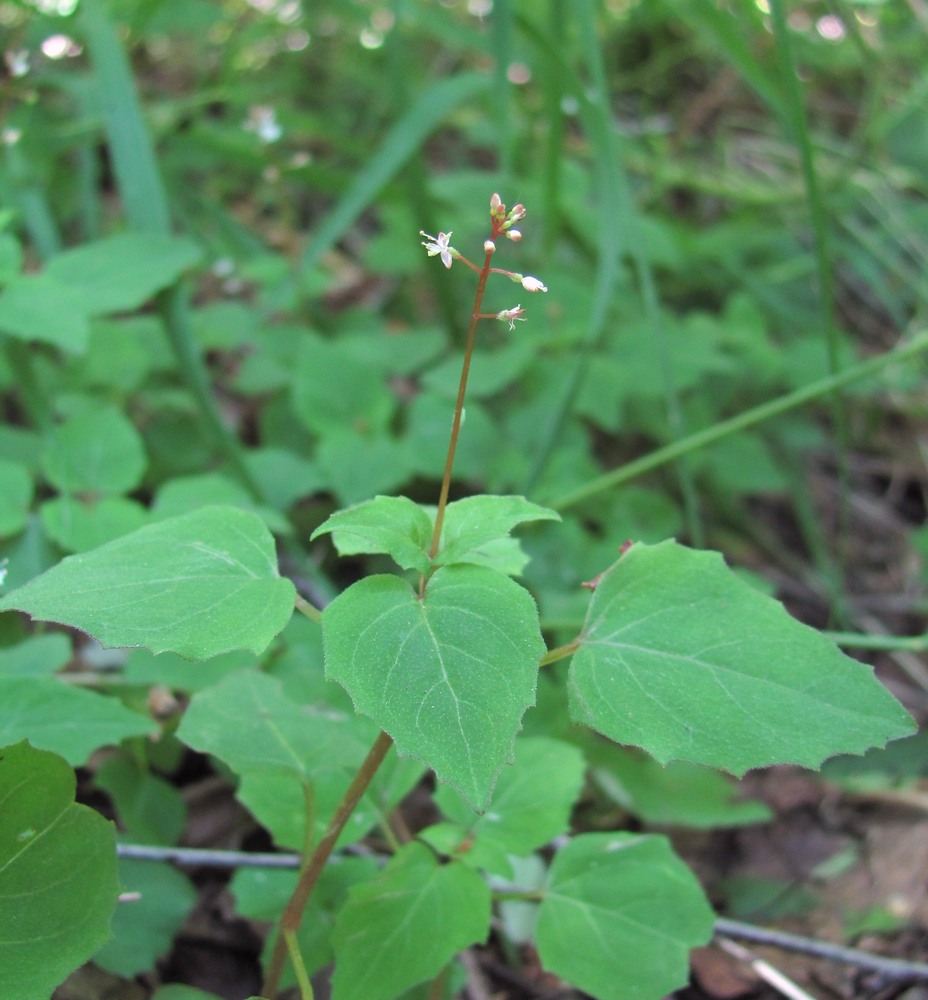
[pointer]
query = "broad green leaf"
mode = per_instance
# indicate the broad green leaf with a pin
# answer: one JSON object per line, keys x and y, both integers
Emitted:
{"x": 37, "y": 656}
{"x": 188, "y": 493}
{"x": 143, "y": 929}
{"x": 121, "y": 273}
{"x": 284, "y": 475}
{"x": 248, "y": 722}
{"x": 58, "y": 884}
{"x": 356, "y": 466}
{"x": 406, "y": 925}
{"x": 279, "y": 803}
{"x": 393, "y": 525}
{"x": 448, "y": 677}
{"x": 77, "y": 526}
{"x": 150, "y": 809}
{"x": 332, "y": 390}
{"x": 682, "y": 658}
{"x": 15, "y": 497}
{"x": 531, "y": 803}
{"x": 674, "y": 794}
{"x": 198, "y": 585}
{"x": 97, "y": 452}
{"x": 36, "y": 307}
{"x": 173, "y": 671}
{"x": 619, "y": 916}
{"x": 68, "y": 720}
{"x": 472, "y": 523}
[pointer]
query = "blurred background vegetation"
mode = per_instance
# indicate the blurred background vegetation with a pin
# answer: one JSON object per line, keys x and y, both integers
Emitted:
{"x": 726, "y": 200}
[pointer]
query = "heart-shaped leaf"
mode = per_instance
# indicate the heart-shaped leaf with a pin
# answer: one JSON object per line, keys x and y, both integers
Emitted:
{"x": 198, "y": 585}
{"x": 620, "y": 915}
{"x": 682, "y": 658}
{"x": 58, "y": 885}
{"x": 405, "y": 926}
{"x": 448, "y": 677}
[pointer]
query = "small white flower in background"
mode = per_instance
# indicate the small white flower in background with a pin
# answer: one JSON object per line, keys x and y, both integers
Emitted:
{"x": 439, "y": 246}
{"x": 262, "y": 120}
{"x": 531, "y": 284}
{"x": 510, "y": 316}
{"x": 17, "y": 62}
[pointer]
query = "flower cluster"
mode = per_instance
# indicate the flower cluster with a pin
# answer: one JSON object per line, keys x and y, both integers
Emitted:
{"x": 502, "y": 221}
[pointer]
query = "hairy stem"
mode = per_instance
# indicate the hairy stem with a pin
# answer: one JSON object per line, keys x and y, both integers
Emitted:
{"x": 293, "y": 912}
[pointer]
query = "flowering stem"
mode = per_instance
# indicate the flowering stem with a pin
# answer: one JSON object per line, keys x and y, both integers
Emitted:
{"x": 459, "y": 406}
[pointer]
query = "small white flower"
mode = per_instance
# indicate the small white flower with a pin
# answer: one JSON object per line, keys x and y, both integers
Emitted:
{"x": 439, "y": 246}
{"x": 510, "y": 316}
{"x": 489, "y": 246}
{"x": 531, "y": 284}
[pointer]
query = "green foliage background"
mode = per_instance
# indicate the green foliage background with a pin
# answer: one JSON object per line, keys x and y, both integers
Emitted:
{"x": 212, "y": 292}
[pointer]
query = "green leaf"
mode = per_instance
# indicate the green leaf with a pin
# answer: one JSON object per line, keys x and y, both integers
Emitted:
{"x": 474, "y": 522}
{"x": 15, "y": 497}
{"x": 356, "y": 466}
{"x": 198, "y": 585}
{"x": 77, "y": 526}
{"x": 392, "y": 525}
{"x": 36, "y": 307}
{"x": 97, "y": 452}
{"x": 37, "y": 656}
{"x": 406, "y": 925}
{"x": 144, "y": 928}
{"x": 249, "y": 723}
{"x": 531, "y": 803}
{"x": 674, "y": 794}
{"x": 188, "y": 493}
{"x": 332, "y": 390}
{"x": 150, "y": 809}
{"x": 619, "y": 916}
{"x": 279, "y": 803}
{"x": 448, "y": 677}
{"x": 121, "y": 273}
{"x": 58, "y": 885}
{"x": 682, "y": 658}
{"x": 65, "y": 719}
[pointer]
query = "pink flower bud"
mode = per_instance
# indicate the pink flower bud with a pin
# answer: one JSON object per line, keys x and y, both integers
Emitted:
{"x": 517, "y": 212}
{"x": 531, "y": 284}
{"x": 495, "y": 202}
{"x": 489, "y": 246}
{"x": 514, "y": 235}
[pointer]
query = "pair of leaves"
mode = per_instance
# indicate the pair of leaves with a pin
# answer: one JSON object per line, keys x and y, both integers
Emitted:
{"x": 450, "y": 672}
{"x": 618, "y": 917}
{"x": 396, "y": 526}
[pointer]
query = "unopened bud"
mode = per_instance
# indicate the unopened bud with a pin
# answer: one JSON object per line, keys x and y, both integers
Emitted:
{"x": 531, "y": 284}
{"x": 517, "y": 212}
{"x": 514, "y": 235}
{"x": 495, "y": 202}
{"x": 489, "y": 246}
